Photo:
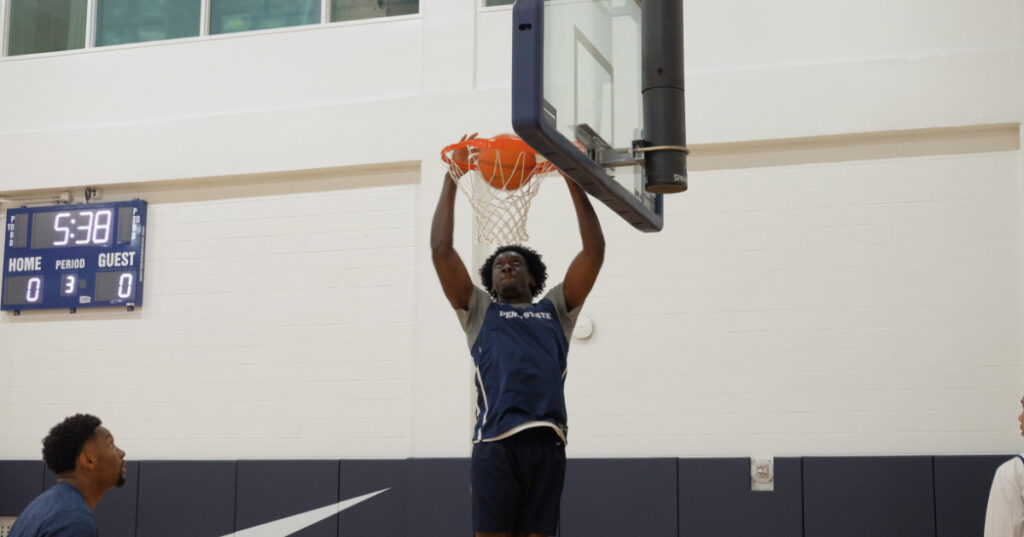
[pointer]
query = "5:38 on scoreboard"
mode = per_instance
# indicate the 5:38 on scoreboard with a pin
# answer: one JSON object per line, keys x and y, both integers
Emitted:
{"x": 74, "y": 256}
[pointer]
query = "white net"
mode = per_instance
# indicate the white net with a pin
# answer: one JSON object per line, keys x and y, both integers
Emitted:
{"x": 499, "y": 184}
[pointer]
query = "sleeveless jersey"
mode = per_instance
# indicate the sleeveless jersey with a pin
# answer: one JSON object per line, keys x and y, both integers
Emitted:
{"x": 519, "y": 354}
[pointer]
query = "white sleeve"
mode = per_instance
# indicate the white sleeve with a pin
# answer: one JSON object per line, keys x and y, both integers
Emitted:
{"x": 565, "y": 317}
{"x": 1004, "y": 516}
{"x": 472, "y": 318}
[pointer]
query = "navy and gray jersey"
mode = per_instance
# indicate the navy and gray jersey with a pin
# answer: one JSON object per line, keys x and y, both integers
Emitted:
{"x": 519, "y": 353}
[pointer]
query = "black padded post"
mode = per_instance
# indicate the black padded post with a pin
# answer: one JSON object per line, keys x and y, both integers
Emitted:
{"x": 962, "y": 484}
{"x": 616, "y": 497}
{"x": 663, "y": 94}
{"x": 179, "y": 498}
{"x": 439, "y": 500}
{"x": 20, "y": 483}
{"x": 271, "y": 490}
{"x": 715, "y": 499}
{"x": 876, "y": 496}
{"x": 383, "y": 515}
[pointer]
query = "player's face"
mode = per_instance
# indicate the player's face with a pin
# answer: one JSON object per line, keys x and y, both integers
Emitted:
{"x": 110, "y": 467}
{"x": 511, "y": 277}
{"x": 1020, "y": 417}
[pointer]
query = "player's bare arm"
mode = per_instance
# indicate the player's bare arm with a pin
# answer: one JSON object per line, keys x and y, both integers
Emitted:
{"x": 582, "y": 272}
{"x": 451, "y": 271}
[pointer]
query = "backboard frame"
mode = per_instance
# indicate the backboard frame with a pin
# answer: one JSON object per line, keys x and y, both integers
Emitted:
{"x": 533, "y": 122}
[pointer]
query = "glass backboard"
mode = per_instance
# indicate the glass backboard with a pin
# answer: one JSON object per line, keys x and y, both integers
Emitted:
{"x": 576, "y": 83}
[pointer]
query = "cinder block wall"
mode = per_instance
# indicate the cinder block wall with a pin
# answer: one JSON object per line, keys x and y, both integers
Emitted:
{"x": 822, "y": 301}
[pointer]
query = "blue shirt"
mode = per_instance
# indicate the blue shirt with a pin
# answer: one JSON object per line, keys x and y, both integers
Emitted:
{"x": 59, "y": 512}
{"x": 520, "y": 352}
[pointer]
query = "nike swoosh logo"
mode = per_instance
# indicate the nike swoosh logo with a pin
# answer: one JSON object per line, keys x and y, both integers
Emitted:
{"x": 294, "y": 523}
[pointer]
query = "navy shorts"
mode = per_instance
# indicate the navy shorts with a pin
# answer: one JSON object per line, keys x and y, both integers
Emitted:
{"x": 517, "y": 482}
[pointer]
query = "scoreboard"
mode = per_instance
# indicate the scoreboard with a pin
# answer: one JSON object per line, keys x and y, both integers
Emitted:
{"x": 74, "y": 256}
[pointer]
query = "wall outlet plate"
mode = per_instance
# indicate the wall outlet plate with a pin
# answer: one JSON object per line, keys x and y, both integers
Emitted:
{"x": 762, "y": 473}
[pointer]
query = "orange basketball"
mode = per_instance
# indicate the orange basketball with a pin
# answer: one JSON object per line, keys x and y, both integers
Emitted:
{"x": 506, "y": 169}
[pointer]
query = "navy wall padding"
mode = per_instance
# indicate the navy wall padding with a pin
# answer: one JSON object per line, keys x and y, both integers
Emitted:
{"x": 194, "y": 498}
{"x": 614, "y": 497}
{"x": 20, "y": 483}
{"x": 383, "y": 515}
{"x": 115, "y": 514}
{"x": 715, "y": 499}
{"x": 876, "y": 496}
{"x": 941, "y": 496}
{"x": 962, "y": 484}
{"x": 439, "y": 500}
{"x": 271, "y": 490}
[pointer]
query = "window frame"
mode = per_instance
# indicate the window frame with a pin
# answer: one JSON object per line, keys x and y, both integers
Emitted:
{"x": 204, "y": 18}
{"x": 88, "y": 41}
{"x": 91, "y": 24}
{"x": 481, "y": 6}
{"x": 5, "y": 6}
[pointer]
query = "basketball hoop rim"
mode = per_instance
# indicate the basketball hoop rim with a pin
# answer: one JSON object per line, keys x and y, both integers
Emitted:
{"x": 500, "y": 177}
{"x": 506, "y": 143}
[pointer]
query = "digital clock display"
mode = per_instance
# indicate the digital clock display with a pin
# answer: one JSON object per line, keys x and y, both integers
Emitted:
{"x": 72, "y": 228}
{"x": 74, "y": 256}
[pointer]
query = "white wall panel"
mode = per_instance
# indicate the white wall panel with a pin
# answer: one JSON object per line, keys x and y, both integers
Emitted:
{"x": 734, "y": 35}
{"x": 857, "y": 307}
{"x": 214, "y": 75}
{"x": 826, "y": 286}
{"x": 273, "y": 324}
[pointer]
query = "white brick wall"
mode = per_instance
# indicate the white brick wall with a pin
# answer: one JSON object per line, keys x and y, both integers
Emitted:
{"x": 863, "y": 307}
{"x": 840, "y": 308}
{"x": 824, "y": 306}
{"x": 273, "y": 326}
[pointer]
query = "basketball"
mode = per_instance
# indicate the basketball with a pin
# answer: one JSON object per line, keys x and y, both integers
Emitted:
{"x": 506, "y": 169}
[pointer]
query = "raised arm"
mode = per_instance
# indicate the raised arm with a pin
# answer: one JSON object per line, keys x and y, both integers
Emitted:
{"x": 583, "y": 270}
{"x": 455, "y": 280}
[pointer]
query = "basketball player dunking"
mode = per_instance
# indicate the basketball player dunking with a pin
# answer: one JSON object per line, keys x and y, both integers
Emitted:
{"x": 519, "y": 350}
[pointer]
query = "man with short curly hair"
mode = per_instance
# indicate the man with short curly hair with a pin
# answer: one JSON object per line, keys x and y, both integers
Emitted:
{"x": 87, "y": 462}
{"x": 519, "y": 350}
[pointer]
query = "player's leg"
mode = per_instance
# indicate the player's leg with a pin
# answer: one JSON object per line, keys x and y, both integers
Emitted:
{"x": 540, "y": 454}
{"x": 496, "y": 490}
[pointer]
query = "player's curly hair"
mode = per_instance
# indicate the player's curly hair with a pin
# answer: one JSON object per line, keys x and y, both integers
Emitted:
{"x": 534, "y": 265}
{"x": 64, "y": 443}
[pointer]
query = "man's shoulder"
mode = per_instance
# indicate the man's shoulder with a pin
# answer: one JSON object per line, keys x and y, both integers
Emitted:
{"x": 556, "y": 294}
{"x": 1011, "y": 471}
{"x": 55, "y": 499}
{"x": 1015, "y": 463}
{"x": 60, "y": 510}
{"x": 478, "y": 299}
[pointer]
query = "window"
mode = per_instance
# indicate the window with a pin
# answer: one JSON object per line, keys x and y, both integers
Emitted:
{"x": 46, "y": 26}
{"x": 348, "y": 10}
{"x": 134, "y": 21}
{"x": 227, "y": 16}
{"x": 36, "y": 26}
